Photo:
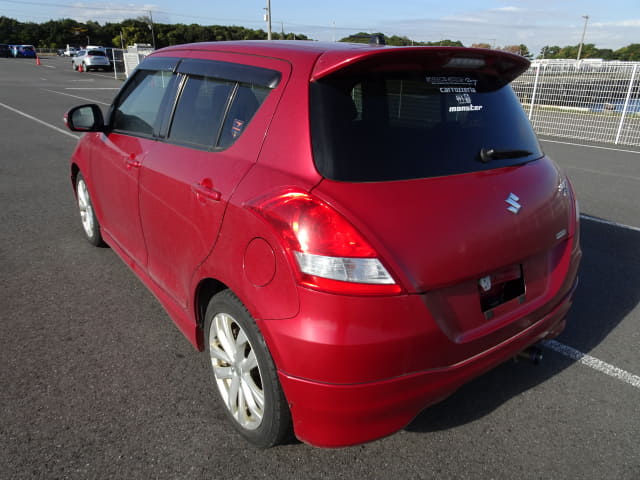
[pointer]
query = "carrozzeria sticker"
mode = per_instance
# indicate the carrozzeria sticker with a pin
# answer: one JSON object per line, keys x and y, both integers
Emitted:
{"x": 466, "y": 84}
{"x": 462, "y": 87}
{"x": 457, "y": 90}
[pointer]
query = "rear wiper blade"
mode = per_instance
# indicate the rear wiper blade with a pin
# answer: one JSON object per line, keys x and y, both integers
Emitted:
{"x": 488, "y": 154}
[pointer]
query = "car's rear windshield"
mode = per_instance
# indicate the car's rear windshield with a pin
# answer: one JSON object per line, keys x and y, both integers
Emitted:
{"x": 408, "y": 125}
{"x": 96, "y": 53}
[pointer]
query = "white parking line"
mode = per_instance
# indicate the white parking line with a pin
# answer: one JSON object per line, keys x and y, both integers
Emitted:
{"x": 589, "y": 361}
{"x": 92, "y": 88}
{"x": 590, "y": 146}
{"x": 26, "y": 115}
{"x": 608, "y": 222}
{"x": 600, "y": 172}
{"x": 76, "y": 96}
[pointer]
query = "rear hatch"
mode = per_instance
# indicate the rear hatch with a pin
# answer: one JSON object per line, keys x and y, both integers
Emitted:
{"x": 430, "y": 155}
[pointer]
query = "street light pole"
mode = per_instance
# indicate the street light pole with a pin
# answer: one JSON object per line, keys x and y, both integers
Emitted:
{"x": 584, "y": 30}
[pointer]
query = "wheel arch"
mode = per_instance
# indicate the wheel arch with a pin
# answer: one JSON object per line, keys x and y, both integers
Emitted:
{"x": 75, "y": 170}
{"x": 204, "y": 292}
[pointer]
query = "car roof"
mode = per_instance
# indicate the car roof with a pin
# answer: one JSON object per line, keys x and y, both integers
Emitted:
{"x": 333, "y": 56}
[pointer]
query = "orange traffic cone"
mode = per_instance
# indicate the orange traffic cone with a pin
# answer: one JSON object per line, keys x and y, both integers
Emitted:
{"x": 38, "y": 60}
{"x": 80, "y": 68}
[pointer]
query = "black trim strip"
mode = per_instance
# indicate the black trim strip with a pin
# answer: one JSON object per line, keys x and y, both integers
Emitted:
{"x": 167, "y": 64}
{"x": 234, "y": 72}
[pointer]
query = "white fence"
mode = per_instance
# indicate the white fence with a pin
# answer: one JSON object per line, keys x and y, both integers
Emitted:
{"x": 588, "y": 100}
{"x": 125, "y": 62}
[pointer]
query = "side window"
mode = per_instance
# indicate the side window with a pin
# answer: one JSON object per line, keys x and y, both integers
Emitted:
{"x": 200, "y": 111}
{"x": 213, "y": 113}
{"x": 246, "y": 101}
{"x": 138, "y": 106}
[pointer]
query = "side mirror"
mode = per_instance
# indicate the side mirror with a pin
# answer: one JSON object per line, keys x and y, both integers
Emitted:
{"x": 85, "y": 118}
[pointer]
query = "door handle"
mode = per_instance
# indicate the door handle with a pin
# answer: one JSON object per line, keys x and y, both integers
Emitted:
{"x": 205, "y": 189}
{"x": 131, "y": 162}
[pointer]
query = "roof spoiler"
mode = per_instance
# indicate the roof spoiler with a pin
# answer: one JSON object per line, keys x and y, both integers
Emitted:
{"x": 448, "y": 60}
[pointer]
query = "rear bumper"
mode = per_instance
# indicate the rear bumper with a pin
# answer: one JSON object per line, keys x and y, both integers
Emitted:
{"x": 335, "y": 415}
{"x": 355, "y": 369}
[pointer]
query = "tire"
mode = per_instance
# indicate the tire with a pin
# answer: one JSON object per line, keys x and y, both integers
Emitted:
{"x": 90, "y": 223}
{"x": 245, "y": 377}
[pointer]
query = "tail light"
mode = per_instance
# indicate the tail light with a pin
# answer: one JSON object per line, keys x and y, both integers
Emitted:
{"x": 328, "y": 252}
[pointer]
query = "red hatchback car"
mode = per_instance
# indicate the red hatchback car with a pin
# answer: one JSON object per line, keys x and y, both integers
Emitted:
{"x": 351, "y": 232}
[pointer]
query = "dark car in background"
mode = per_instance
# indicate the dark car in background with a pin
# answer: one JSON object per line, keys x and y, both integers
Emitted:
{"x": 5, "y": 50}
{"x": 23, "y": 51}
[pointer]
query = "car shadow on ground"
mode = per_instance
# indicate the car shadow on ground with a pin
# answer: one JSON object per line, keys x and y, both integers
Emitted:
{"x": 608, "y": 291}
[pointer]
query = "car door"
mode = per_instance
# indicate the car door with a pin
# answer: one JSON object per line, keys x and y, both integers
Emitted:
{"x": 115, "y": 166}
{"x": 213, "y": 139}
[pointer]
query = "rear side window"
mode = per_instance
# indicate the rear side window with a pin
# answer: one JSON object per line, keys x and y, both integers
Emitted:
{"x": 213, "y": 113}
{"x": 246, "y": 100}
{"x": 199, "y": 113}
{"x": 139, "y": 103}
{"x": 408, "y": 125}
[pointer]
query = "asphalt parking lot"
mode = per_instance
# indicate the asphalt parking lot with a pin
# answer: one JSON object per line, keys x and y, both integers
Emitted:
{"x": 97, "y": 382}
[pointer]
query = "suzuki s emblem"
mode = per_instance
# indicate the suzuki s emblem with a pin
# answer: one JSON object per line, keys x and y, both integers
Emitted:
{"x": 512, "y": 201}
{"x": 485, "y": 283}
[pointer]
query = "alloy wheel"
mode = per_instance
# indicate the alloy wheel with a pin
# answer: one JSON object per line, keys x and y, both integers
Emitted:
{"x": 236, "y": 370}
{"x": 86, "y": 209}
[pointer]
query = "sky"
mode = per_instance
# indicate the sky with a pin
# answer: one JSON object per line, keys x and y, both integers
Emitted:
{"x": 535, "y": 23}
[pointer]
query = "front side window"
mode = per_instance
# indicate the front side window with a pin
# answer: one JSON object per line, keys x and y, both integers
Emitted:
{"x": 137, "y": 109}
{"x": 408, "y": 125}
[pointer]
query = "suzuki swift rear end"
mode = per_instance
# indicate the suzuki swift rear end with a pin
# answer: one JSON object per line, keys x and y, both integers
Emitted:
{"x": 398, "y": 233}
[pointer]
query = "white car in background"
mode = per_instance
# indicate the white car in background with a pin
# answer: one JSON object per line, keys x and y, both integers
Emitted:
{"x": 70, "y": 51}
{"x": 92, "y": 59}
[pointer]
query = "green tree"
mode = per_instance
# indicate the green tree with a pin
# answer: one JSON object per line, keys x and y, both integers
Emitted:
{"x": 360, "y": 37}
{"x": 549, "y": 51}
{"x": 518, "y": 50}
{"x": 446, "y": 43}
{"x": 629, "y": 53}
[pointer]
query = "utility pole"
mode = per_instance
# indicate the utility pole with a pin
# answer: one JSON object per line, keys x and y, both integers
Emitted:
{"x": 267, "y": 18}
{"x": 584, "y": 30}
{"x": 153, "y": 37}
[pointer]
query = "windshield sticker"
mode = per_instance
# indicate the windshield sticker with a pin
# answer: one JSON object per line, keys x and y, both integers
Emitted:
{"x": 237, "y": 127}
{"x": 457, "y": 90}
{"x": 469, "y": 82}
{"x": 463, "y": 98}
{"x": 466, "y": 108}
